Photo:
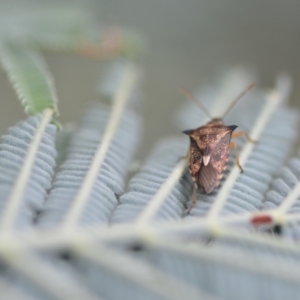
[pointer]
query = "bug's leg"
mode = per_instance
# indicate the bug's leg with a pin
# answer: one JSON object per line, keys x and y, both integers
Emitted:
{"x": 234, "y": 145}
{"x": 194, "y": 199}
{"x": 186, "y": 156}
{"x": 241, "y": 133}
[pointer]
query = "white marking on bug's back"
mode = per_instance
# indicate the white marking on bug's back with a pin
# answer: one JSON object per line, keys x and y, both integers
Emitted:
{"x": 206, "y": 160}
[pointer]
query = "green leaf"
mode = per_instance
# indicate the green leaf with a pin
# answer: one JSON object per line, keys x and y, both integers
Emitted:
{"x": 29, "y": 76}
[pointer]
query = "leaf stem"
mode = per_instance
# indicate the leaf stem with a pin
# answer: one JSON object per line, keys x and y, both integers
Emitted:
{"x": 291, "y": 198}
{"x": 53, "y": 239}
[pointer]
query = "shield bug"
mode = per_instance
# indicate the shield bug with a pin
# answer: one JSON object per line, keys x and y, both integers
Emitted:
{"x": 209, "y": 149}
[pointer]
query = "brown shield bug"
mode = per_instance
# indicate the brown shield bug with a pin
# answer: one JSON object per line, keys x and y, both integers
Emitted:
{"x": 209, "y": 149}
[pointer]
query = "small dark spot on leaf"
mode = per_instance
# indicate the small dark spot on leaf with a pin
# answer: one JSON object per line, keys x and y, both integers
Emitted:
{"x": 277, "y": 229}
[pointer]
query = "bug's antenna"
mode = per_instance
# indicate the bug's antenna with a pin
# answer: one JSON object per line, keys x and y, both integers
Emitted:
{"x": 187, "y": 94}
{"x": 246, "y": 90}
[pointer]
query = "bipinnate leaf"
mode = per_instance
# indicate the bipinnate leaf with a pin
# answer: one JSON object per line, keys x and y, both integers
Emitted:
{"x": 156, "y": 252}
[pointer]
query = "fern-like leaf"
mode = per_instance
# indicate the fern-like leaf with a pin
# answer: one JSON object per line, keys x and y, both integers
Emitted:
{"x": 86, "y": 188}
{"x": 29, "y": 76}
{"x": 147, "y": 182}
{"x": 13, "y": 150}
{"x": 110, "y": 180}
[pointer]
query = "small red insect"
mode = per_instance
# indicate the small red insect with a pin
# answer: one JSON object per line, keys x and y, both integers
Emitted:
{"x": 209, "y": 149}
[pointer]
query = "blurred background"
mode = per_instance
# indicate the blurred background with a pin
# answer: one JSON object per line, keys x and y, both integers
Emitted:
{"x": 188, "y": 41}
